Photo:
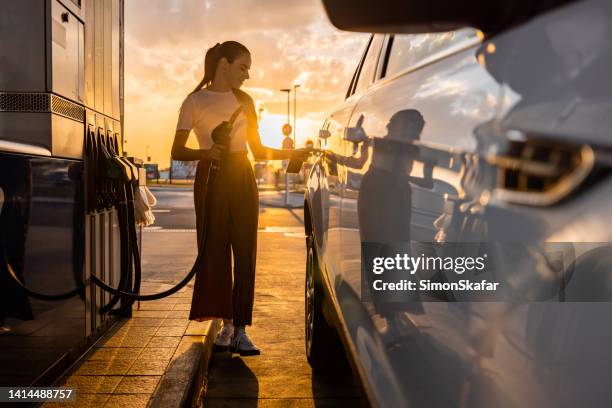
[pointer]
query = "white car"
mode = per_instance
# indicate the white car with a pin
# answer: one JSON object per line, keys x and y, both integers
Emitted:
{"x": 499, "y": 133}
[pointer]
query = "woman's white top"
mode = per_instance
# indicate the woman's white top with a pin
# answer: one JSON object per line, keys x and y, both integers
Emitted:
{"x": 204, "y": 110}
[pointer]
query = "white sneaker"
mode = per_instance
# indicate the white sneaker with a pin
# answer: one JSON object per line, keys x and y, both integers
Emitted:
{"x": 242, "y": 344}
{"x": 224, "y": 337}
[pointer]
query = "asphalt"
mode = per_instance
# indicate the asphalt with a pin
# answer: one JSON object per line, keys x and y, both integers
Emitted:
{"x": 174, "y": 209}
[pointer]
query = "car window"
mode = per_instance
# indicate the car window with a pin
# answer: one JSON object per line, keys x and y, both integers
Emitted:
{"x": 382, "y": 58}
{"x": 368, "y": 67}
{"x": 407, "y": 50}
{"x": 351, "y": 87}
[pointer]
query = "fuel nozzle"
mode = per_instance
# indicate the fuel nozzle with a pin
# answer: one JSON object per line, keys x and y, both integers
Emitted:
{"x": 221, "y": 134}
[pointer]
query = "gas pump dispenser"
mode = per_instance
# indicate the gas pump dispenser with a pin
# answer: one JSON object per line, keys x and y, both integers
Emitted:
{"x": 69, "y": 247}
{"x": 64, "y": 215}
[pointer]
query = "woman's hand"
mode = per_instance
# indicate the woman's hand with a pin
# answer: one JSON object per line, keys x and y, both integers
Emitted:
{"x": 215, "y": 152}
{"x": 302, "y": 154}
{"x": 331, "y": 156}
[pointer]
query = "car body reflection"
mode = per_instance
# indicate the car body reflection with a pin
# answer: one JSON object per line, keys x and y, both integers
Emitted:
{"x": 505, "y": 125}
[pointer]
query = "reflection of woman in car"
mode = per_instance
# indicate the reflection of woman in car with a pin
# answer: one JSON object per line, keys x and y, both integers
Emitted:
{"x": 384, "y": 205}
{"x": 232, "y": 206}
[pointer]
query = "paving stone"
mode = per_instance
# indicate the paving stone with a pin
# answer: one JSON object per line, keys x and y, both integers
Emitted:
{"x": 148, "y": 367}
{"x": 169, "y": 331}
{"x": 138, "y": 384}
{"x": 145, "y": 321}
{"x": 156, "y": 353}
{"x": 100, "y": 367}
{"x": 280, "y": 403}
{"x": 128, "y": 331}
{"x": 90, "y": 384}
{"x": 164, "y": 342}
{"x": 156, "y": 306}
{"x": 120, "y": 341}
{"x": 127, "y": 401}
{"x": 112, "y": 353}
{"x": 150, "y": 313}
{"x": 82, "y": 401}
{"x": 170, "y": 322}
{"x": 178, "y": 314}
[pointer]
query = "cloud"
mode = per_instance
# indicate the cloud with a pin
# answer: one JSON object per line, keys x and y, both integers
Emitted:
{"x": 290, "y": 43}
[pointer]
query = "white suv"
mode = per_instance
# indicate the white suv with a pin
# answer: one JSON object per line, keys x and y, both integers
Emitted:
{"x": 463, "y": 137}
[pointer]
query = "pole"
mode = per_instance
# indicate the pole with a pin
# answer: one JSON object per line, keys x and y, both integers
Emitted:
{"x": 288, "y": 90}
{"x": 170, "y": 172}
{"x": 295, "y": 87}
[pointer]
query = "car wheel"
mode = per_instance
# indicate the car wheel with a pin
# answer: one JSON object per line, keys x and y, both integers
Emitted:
{"x": 324, "y": 350}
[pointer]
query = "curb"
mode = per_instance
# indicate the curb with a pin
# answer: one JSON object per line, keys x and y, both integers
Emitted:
{"x": 275, "y": 205}
{"x": 183, "y": 383}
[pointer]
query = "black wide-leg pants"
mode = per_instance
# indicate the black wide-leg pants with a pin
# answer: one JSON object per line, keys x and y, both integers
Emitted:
{"x": 231, "y": 213}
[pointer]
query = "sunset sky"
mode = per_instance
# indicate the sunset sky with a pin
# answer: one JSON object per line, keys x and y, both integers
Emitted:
{"x": 290, "y": 42}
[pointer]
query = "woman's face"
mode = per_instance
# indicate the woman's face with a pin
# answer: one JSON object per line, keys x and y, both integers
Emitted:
{"x": 238, "y": 71}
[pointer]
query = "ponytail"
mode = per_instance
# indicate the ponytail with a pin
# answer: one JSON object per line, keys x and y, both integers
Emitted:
{"x": 230, "y": 50}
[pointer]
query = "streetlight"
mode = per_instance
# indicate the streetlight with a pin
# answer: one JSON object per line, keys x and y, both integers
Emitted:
{"x": 288, "y": 90}
{"x": 295, "y": 87}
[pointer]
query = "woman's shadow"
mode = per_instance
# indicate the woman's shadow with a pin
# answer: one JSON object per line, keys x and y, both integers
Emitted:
{"x": 230, "y": 379}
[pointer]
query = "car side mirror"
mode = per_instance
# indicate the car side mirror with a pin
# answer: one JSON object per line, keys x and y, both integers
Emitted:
{"x": 427, "y": 16}
{"x": 324, "y": 134}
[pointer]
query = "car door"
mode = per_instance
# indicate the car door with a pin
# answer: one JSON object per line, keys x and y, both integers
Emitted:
{"x": 325, "y": 186}
{"x": 417, "y": 123}
{"x": 354, "y": 162}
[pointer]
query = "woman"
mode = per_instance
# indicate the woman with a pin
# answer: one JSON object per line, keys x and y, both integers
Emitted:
{"x": 232, "y": 207}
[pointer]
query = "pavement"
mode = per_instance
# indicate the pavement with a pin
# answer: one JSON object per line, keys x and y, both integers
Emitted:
{"x": 158, "y": 358}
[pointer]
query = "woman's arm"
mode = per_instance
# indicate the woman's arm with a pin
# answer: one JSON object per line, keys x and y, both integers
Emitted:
{"x": 183, "y": 153}
{"x": 261, "y": 152}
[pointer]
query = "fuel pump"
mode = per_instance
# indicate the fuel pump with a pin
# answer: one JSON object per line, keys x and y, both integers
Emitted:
{"x": 220, "y": 135}
{"x": 111, "y": 180}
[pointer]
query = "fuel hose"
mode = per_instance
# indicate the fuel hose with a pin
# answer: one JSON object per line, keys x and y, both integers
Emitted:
{"x": 220, "y": 135}
{"x": 38, "y": 295}
{"x": 126, "y": 216}
{"x": 210, "y": 173}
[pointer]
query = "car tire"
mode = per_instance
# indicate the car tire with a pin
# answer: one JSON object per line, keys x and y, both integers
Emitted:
{"x": 324, "y": 349}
